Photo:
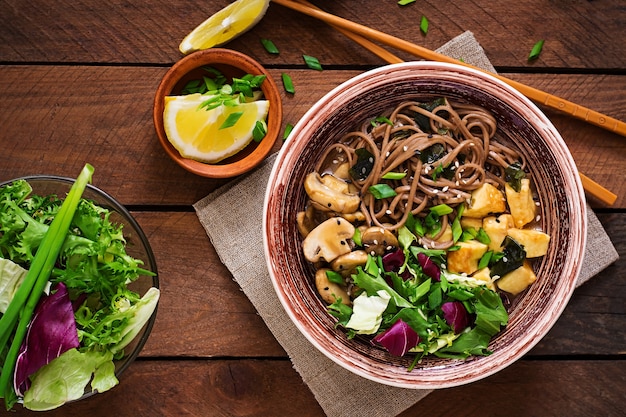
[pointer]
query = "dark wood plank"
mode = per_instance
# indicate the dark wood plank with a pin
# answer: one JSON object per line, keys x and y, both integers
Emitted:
{"x": 56, "y": 118}
{"x": 273, "y": 388}
{"x": 531, "y": 388}
{"x": 578, "y": 34}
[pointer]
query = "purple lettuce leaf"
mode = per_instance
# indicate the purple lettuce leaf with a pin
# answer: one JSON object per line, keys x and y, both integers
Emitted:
{"x": 429, "y": 267}
{"x": 51, "y": 332}
{"x": 456, "y": 315}
{"x": 398, "y": 339}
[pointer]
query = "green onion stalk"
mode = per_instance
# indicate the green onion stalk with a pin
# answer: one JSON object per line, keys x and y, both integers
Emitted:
{"x": 19, "y": 312}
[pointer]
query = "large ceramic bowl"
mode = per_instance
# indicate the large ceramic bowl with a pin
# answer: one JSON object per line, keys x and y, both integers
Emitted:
{"x": 520, "y": 123}
{"x": 137, "y": 246}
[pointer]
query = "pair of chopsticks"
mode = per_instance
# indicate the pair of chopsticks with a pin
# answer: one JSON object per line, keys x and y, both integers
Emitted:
{"x": 363, "y": 36}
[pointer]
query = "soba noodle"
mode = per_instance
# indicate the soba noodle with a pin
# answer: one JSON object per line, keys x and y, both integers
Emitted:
{"x": 446, "y": 152}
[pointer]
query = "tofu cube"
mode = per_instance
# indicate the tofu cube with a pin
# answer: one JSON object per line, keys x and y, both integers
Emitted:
{"x": 484, "y": 275}
{"x": 465, "y": 259}
{"x": 471, "y": 223}
{"x": 535, "y": 242}
{"x": 518, "y": 280}
{"x": 496, "y": 228}
{"x": 521, "y": 205}
{"x": 485, "y": 200}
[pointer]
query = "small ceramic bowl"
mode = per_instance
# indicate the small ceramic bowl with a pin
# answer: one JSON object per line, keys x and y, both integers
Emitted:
{"x": 231, "y": 64}
{"x": 520, "y": 124}
{"x": 137, "y": 246}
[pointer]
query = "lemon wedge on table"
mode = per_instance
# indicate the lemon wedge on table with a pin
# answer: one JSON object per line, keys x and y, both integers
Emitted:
{"x": 201, "y": 134}
{"x": 228, "y": 23}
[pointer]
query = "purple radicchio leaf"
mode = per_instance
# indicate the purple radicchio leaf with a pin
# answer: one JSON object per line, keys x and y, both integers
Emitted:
{"x": 51, "y": 332}
{"x": 398, "y": 339}
{"x": 393, "y": 261}
{"x": 456, "y": 315}
{"x": 429, "y": 267}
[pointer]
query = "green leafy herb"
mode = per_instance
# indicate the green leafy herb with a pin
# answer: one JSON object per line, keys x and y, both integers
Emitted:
{"x": 534, "y": 53}
{"x": 288, "y": 83}
{"x": 381, "y": 191}
{"x": 231, "y": 120}
{"x": 424, "y": 25}
{"x": 288, "y": 129}
{"x": 259, "y": 131}
{"x": 312, "y": 62}
{"x": 270, "y": 47}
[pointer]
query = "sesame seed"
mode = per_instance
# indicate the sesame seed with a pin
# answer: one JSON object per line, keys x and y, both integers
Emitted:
{"x": 538, "y": 218}
{"x": 388, "y": 212}
{"x": 375, "y": 242}
{"x": 444, "y": 189}
{"x": 405, "y": 148}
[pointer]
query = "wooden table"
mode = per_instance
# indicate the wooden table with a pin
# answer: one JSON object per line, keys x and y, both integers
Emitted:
{"x": 77, "y": 80}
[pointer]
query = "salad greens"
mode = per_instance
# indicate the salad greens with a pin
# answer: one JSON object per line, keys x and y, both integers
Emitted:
{"x": 411, "y": 303}
{"x": 67, "y": 311}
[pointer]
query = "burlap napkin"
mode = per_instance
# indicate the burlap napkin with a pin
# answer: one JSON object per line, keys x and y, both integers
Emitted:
{"x": 239, "y": 232}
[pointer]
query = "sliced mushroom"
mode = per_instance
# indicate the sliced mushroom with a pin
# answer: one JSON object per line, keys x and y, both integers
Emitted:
{"x": 331, "y": 193}
{"x": 328, "y": 240}
{"x": 378, "y": 240}
{"x": 330, "y": 291}
{"x": 347, "y": 263}
{"x": 306, "y": 221}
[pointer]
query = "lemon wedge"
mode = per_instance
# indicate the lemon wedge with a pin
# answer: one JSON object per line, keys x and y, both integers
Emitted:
{"x": 226, "y": 24}
{"x": 200, "y": 134}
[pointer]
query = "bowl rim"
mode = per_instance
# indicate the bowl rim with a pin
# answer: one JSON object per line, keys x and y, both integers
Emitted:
{"x": 235, "y": 59}
{"x": 576, "y": 203}
{"x": 117, "y": 206}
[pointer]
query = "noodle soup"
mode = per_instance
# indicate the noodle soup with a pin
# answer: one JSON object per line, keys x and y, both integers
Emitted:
{"x": 421, "y": 225}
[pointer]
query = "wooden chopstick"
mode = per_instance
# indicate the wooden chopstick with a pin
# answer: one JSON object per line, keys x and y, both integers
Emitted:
{"x": 361, "y": 35}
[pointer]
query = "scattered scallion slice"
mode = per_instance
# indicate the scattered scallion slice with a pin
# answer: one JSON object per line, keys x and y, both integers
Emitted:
{"x": 259, "y": 131}
{"x": 424, "y": 25}
{"x": 270, "y": 47}
{"x": 441, "y": 209}
{"x": 534, "y": 53}
{"x": 231, "y": 120}
{"x": 288, "y": 83}
{"x": 381, "y": 119}
{"x": 288, "y": 129}
{"x": 312, "y": 62}
{"x": 405, "y": 2}
{"x": 394, "y": 175}
{"x": 380, "y": 191}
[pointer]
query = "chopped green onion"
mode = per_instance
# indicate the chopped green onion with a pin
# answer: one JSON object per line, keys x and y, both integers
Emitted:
{"x": 405, "y": 2}
{"x": 259, "y": 131}
{"x": 483, "y": 237}
{"x": 457, "y": 230}
{"x": 231, "y": 120}
{"x": 356, "y": 238}
{"x": 288, "y": 83}
{"x": 381, "y": 119}
{"x": 441, "y": 209}
{"x": 288, "y": 129}
{"x": 380, "y": 191}
{"x": 270, "y": 47}
{"x": 485, "y": 259}
{"x": 334, "y": 277}
{"x": 424, "y": 25}
{"x": 534, "y": 53}
{"x": 312, "y": 62}
{"x": 394, "y": 175}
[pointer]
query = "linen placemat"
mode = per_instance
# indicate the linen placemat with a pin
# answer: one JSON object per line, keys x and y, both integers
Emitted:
{"x": 240, "y": 232}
